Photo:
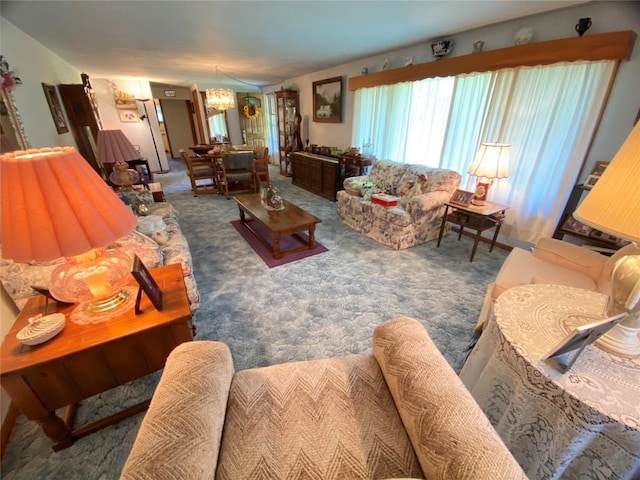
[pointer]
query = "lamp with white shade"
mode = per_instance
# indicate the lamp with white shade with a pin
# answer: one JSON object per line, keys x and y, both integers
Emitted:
{"x": 53, "y": 205}
{"x": 613, "y": 206}
{"x": 491, "y": 162}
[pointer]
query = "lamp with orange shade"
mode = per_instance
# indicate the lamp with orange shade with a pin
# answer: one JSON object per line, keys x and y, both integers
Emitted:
{"x": 54, "y": 205}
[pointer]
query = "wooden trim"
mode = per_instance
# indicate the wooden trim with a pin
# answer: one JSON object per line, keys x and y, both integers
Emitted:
{"x": 603, "y": 46}
{"x": 7, "y": 427}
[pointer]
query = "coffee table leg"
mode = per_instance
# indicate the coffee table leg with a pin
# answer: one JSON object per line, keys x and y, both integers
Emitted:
{"x": 276, "y": 246}
{"x": 312, "y": 237}
{"x": 242, "y": 219}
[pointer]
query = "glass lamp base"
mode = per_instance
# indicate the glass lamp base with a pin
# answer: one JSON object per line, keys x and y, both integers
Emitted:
{"x": 90, "y": 312}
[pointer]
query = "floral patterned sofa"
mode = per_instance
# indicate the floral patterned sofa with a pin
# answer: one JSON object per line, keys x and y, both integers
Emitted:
{"x": 423, "y": 191}
{"x": 156, "y": 249}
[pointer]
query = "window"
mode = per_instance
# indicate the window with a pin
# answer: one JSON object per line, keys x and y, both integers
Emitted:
{"x": 548, "y": 115}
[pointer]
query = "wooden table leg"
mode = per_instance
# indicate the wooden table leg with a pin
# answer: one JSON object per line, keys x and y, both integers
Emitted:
{"x": 312, "y": 236}
{"x": 475, "y": 244}
{"x": 57, "y": 430}
{"x": 276, "y": 246}
{"x": 444, "y": 222}
{"x": 495, "y": 237}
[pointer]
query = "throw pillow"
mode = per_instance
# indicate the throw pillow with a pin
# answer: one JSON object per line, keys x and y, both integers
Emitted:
{"x": 419, "y": 188}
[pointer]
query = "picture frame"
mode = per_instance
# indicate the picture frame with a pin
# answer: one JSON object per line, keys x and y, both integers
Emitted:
{"x": 327, "y": 100}
{"x": 51, "y": 94}
{"x": 599, "y": 168}
{"x": 582, "y": 336}
{"x": 461, "y": 197}
{"x": 572, "y": 225}
{"x": 590, "y": 182}
{"x": 147, "y": 284}
{"x": 604, "y": 237}
{"x": 128, "y": 116}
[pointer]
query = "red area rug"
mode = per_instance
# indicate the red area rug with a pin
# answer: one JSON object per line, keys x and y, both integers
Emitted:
{"x": 288, "y": 242}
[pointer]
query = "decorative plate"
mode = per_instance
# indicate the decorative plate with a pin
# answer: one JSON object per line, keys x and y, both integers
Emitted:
{"x": 523, "y": 35}
{"x": 41, "y": 329}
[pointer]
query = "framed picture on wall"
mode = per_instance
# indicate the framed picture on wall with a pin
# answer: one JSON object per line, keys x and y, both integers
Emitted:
{"x": 327, "y": 100}
{"x": 128, "y": 116}
{"x": 51, "y": 94}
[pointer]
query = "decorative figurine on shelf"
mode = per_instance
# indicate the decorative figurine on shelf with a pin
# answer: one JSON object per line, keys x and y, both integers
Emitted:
{"x": 583, "y": 25}
{"x": 478, "y": 46}
{"x": 441, "y": 48}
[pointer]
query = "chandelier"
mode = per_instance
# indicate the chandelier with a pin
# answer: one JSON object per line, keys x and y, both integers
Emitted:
{"x": 220, "y": 98}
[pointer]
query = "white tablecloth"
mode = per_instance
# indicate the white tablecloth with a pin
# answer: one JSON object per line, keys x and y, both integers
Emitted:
{"x": 584, "y": 423}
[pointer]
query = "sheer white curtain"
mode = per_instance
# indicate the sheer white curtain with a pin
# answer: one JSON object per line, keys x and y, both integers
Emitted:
{"x": 548, "y": 114}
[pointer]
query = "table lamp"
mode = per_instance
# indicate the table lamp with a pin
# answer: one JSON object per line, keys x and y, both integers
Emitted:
{"x": 53, "y": 205}
{"x": 613, "y": 206}
{"x": 492, "y": 161}
{"x": 114, "y": 147}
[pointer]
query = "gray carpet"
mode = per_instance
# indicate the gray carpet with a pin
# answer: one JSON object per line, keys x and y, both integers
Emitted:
{"x": 321, "y": 306}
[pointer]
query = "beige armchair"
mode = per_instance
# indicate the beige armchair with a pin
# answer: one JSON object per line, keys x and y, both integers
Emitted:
{"x": 398, "y": 412}
{"x": 556, "y": 262}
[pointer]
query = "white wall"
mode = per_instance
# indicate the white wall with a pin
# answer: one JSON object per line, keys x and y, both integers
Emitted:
{"x": 618, "y": 117}
{"x": 35, "y": 64}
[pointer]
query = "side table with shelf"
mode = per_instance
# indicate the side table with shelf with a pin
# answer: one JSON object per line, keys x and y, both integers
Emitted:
{"x": 84, "y": 360}
{"x": 476, "y": 217}
{"x": 592, "y": 238}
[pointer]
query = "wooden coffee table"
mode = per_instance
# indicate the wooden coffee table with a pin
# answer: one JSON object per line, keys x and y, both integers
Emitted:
{"x": 84, "y": 360}
{"x": 290, "y": 221}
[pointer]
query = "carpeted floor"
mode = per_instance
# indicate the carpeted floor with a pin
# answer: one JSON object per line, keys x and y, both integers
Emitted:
{"x": 324, "y": 305}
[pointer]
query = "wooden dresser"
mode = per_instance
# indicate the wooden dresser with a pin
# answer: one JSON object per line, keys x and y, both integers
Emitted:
{"x": 316, "y": 173}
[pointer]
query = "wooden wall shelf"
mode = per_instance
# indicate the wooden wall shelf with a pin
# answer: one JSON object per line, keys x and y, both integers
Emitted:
{"x": 602, "y": 46}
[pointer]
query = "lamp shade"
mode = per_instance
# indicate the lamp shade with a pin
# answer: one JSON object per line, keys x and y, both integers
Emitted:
{"x": 55, "y": 205}
{"x": 492, "y": 161}
{"x": 613, "y": 204}
{"x": 114, "y": 146}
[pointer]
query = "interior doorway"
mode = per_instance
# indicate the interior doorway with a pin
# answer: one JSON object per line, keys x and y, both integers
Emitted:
{"x": 178, "y": 125}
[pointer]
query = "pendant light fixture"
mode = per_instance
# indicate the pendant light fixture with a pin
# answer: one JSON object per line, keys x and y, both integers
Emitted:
{"x": 220, "y": 98}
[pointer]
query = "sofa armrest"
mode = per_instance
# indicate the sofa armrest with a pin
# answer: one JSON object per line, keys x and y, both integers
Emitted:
{"x": 353, "y": 185}
{"x": 180, "y": 433}
{"x": 449, "y": 432}
{"x": 570, "y": 256}
{"x": 426, "y": 201}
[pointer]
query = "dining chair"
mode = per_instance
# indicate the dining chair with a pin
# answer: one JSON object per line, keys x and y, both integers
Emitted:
{"x": 202, "y": 174}
{"x": 237, "y": 173}
{"x": 261, "y": 165}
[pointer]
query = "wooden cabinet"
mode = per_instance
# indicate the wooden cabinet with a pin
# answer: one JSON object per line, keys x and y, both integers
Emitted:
{"x": 591, "y": 237}
{"x": 315, "y": 173}
{"x": 287, "y": 105}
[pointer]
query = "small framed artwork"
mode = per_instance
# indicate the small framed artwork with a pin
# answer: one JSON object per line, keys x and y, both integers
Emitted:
{"x": 605, "y": 237}
{"x": 572, "y": 225}
{"x": 599, "y": 168}
{"x": 462, "y": 197}
{"x": 147, "y": 284}
{"x": 327, "y": 100}
{"x": 51, "y": 95}
{"x": 591, "y": 181}
{"x": 128, "y": 116}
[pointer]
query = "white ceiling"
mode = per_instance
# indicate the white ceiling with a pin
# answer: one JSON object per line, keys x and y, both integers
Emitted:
{"x": 258, "y": 42}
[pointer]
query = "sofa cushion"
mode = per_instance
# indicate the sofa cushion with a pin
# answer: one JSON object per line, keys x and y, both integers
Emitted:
{"x": 521, "y": 267}
{"x": 570, "y": 256}
{"x": 329, "y": 419}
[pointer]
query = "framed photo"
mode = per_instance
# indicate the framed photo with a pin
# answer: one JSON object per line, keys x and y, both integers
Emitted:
{"x": 605, "y": 237}
{"x": 462, "y": 197}
{"x": 591, "y": 181}
{"x": 51, "y": 95}
{"x": 327, "y": 100}
{"x": 147, "y": 284}
{"x": 598, "y": 169}
{"x": 128, "y": 116}
{"x": 572, "y": 225}
{"x": 582, "y": 336}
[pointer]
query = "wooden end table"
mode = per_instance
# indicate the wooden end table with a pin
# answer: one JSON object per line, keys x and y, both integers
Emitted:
{"x": 290, "y": 221}
{"x": 476, "y": 217}
{"x": 84, "y": 360}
